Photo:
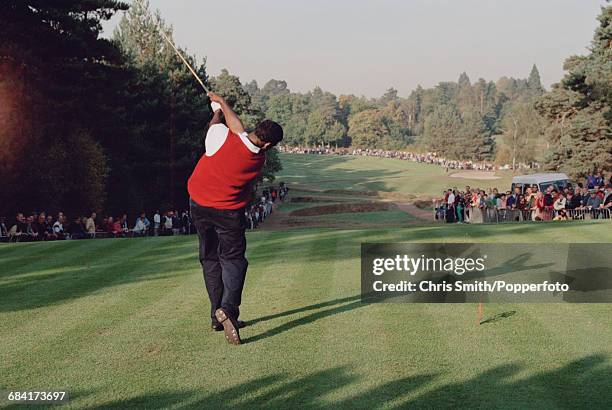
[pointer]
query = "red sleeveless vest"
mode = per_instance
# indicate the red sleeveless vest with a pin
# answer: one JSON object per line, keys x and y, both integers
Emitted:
{"x": 224, "y": 180}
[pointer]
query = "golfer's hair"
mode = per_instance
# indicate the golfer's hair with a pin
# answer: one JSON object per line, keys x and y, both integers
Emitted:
{"x": 269, "y": 131}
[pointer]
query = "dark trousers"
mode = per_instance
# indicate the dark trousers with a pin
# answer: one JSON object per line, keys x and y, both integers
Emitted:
{"x": 222, "y": 248}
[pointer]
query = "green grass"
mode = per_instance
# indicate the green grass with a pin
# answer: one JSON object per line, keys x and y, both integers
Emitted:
{"x": 390, "y": 217}
{"x": 376, "y": 174}
{"x": 123, "y": 324}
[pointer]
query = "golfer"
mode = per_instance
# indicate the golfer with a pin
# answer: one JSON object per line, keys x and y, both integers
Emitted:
{"x": 220, "y": 188}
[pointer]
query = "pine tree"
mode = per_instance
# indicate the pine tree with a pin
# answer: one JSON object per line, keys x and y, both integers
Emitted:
{"x": 533, "y": 83}
{"x": 74, "y": 81}
{"x": 579, "y": 109}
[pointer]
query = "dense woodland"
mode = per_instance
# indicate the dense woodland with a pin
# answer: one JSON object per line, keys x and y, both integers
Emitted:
{"x": 88, "y": 123}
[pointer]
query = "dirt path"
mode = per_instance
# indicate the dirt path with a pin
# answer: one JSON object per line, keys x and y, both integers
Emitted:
{"x": 415, "y": 211}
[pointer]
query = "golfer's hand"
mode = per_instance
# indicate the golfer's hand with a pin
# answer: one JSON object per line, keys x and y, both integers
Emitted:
{"x": 216, "y": 98}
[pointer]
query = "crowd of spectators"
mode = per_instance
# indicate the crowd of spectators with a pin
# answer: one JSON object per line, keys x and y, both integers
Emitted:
{"x": 589, "y": 200}
{"x": 257, "y": 212}
{"x": 425, "y": 158}
{"x": 42, "y": 226}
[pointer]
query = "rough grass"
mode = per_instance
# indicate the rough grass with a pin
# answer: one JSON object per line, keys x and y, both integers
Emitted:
{"x": 124, "y": 324}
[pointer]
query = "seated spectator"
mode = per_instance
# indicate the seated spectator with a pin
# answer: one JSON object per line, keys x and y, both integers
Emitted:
{"x": 77, "y": 229}
{"x": 58, "y": 227}
{"x": 112, "y": 227}
{"x": 124, "y": 224}
{"x": 561, "y": 216}
{"x": 18, "y": 230}
{"x": 50, "y": 233}
{"x": 38, "y": 228}
{"x": 142, "y": 225}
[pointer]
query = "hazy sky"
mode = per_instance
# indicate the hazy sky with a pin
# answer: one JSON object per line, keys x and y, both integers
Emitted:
{"x": 367, "y": 46}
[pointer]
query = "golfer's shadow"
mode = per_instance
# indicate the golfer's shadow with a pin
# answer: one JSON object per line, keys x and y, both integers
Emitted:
{"x": 355, "y": 303}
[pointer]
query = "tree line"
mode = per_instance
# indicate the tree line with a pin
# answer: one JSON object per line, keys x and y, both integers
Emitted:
{"x": 89, "y": 123}
{"x": 509, "y": 121}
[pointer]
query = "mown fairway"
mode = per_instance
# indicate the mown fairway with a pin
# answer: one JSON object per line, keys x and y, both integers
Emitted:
{"x": 124, "y": 324}
{"x": 377, "y": 174}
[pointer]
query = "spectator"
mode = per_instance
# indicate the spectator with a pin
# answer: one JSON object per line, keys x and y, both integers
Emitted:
{"x": 39, "y": 227}
{"x": 90, "y": 225}
{"x": 142, "y": 225}
{"x": 168, "y": 223}
{"x": 186, "y": 223}
{"x": 156, "y": 223}
{"x": 3, "y": 229}
{"x": 450, "y": 206}
{"x": 560, "y": 203}
{"x": 77, "y": 229}
{"x": 176, "y": 223}
{"x": 124, "y": 224}
{"x": 58, "y": 227}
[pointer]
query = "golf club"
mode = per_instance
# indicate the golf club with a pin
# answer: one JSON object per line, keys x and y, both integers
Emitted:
{"x": 180, "y": 55}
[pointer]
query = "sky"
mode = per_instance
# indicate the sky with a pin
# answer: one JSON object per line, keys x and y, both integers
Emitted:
{"x": 363, "y": 47}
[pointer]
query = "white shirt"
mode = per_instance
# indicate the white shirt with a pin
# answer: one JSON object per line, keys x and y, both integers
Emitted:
{"x": 451, "y": 199}
{"x": 216, "y": 136}
{"x": 560, "y": 203}
{"x": 58, "y": 227}
{"x": 140, "y": 226}
{"x": 157, "y": 218}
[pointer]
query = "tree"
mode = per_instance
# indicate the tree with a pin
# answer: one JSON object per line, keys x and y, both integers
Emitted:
{"x": 523, "y": 135}
{"x": 475, "y": 137}
{"x": 442, "y": 130}
{"x": 168, "y": 116}
{"x": 533, "y": 83}
{"x": 579, "y": 109}
{"x": 69, "y": 81}
{"x": 367, "y": 129}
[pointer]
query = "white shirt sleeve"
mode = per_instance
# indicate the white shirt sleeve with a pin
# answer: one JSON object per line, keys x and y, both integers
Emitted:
{"x": 216, "y": 136}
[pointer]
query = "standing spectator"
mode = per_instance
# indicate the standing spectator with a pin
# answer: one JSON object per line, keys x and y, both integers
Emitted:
{"x": 561, "y": 202}
{"x": 90, "y": 225}
{"x": 186, "y": 223}
{"x": 593, "y": 204}
{"x": 167, "y": 224}
{"x": 156, "y": 223}
{"x": 3, "y": 229}
{"x": 591, "y": 180}
{"x": 176, "y": 223}
{"x": 450, "y": 206}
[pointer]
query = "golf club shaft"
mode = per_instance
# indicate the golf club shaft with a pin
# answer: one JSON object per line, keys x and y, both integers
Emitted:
{"x": 178, "y": 53}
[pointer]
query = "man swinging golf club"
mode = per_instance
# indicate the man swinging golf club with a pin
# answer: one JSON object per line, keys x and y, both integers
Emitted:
{"x": 220, "y": 188}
